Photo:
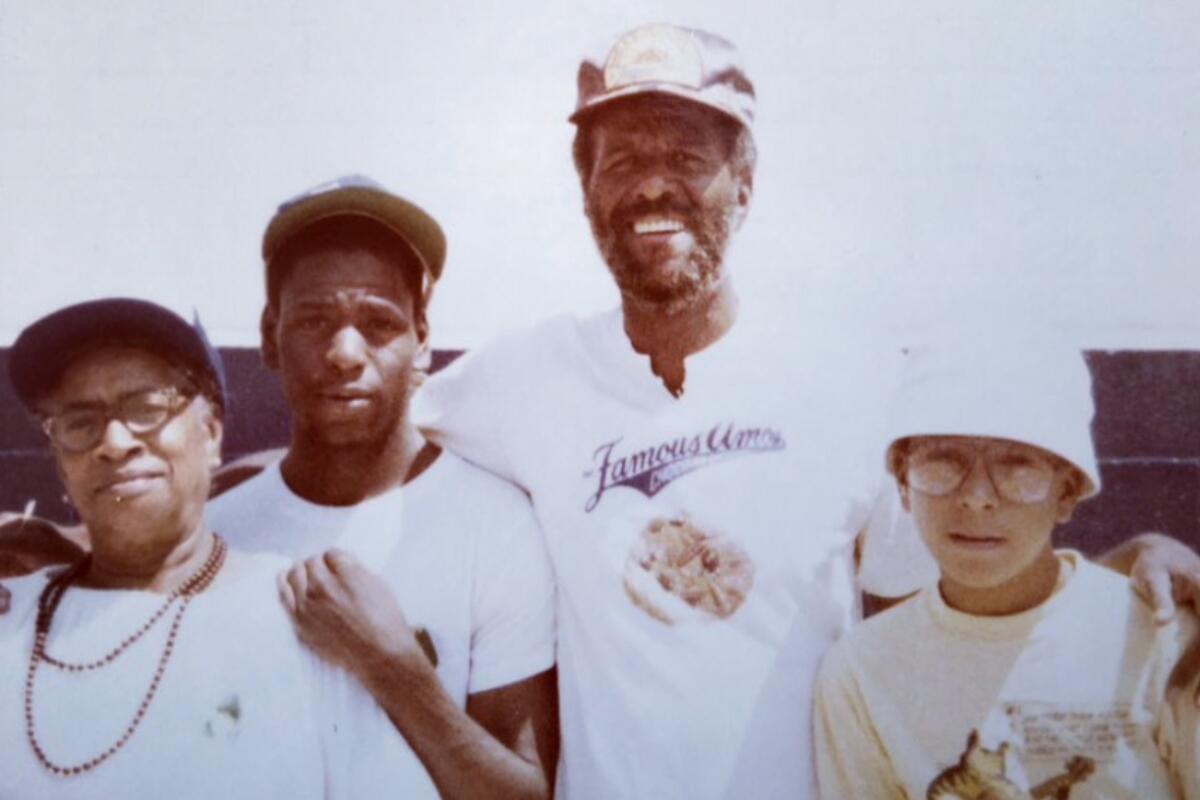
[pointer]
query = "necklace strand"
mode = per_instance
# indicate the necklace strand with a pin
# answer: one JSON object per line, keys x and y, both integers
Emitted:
{"x": 48, "y": 603}
{"x": 202, "y": 575}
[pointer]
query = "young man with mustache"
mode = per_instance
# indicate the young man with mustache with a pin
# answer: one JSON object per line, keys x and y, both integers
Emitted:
{"x": 439, "y": 597}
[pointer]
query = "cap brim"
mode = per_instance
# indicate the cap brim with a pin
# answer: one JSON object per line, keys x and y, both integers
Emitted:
{"x": 406, "y": 220}
{"x": 44, "y": 350}
{"x": 662, "y": 88}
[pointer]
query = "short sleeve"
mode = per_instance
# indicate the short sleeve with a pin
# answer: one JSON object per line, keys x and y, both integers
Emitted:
{"x": 466, "y": 407}
{"x": 893, "y": 561}
{"x": 851, "y": 760}
{"x": 513, "y": 603}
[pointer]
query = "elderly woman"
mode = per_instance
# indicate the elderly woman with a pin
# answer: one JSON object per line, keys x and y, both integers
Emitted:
{"x": 161, "y": 664}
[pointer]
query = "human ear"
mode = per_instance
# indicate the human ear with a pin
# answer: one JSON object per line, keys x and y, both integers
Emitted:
{"x": 423, "y": 358}
{"x": 58, "y": 468}
{"x": 216, "y": 434}
{"x": 745, "y": 192}
{"x": 268, "y": 330}
{"x": 1069, "y": 495}
{"x": 422, "y": 327}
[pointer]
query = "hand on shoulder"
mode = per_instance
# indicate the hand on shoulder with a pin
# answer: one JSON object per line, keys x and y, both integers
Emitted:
{"x": 1165, "y": 572}
{"x": 348, "y": 616}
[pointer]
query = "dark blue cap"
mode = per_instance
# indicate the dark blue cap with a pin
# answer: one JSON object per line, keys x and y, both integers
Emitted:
{"x": 44, "y": 350}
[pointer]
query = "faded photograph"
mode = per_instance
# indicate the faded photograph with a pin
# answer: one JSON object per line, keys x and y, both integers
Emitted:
{"x": 641, "y": 400}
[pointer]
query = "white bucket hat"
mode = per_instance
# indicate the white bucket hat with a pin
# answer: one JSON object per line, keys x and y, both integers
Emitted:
{"x": 1034, "y": 390}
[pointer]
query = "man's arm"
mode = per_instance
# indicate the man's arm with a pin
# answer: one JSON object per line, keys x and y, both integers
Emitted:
{"x": 1166, "y": 572}
{"x": 28, "y": 543}
{"x": 1182, "y": 730}
{"x": 506, "y": 742}
{"x": 523, "y": 716}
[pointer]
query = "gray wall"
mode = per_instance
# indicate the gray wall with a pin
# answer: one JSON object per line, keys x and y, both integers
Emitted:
{"x": 1147, "y": 433}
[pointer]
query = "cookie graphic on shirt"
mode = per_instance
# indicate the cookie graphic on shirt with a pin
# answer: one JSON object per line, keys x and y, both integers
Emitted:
{"x": 675, "y": 569}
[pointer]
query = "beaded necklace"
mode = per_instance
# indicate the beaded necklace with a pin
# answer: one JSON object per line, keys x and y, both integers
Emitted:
{"x": 48, "y": 602}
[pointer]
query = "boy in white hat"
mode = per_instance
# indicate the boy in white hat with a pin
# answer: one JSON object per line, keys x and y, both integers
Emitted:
{"x": 1026, "y": 671}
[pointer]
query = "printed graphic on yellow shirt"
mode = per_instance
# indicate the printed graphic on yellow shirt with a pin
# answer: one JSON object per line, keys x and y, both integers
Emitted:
{"x": 674, "y": 560}
{"x": 1049, "y": 731}
{"x": 981, "y": 774}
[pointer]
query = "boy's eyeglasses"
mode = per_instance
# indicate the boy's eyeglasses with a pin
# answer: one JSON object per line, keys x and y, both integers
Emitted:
{"x": 79, "y": 429}
{"x": 1019, "y": 474}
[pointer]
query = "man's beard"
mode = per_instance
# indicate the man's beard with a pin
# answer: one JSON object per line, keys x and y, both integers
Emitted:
{"x": 667, "y": 291}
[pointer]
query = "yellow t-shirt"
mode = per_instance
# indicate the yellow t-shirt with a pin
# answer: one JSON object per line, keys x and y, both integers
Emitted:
{"x": 925, "y": 701}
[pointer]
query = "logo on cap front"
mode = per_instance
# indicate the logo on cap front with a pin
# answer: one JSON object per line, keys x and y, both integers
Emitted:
{"x": 654, "y": 54}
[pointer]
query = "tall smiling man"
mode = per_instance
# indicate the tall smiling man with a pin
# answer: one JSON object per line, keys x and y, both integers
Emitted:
{"x": 439, "y": 596}
{"x": 699, "y": 502}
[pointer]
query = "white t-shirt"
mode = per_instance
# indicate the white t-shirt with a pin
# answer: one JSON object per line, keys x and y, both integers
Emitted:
{"x": 460, "y": 549}
{"x": 1081, "y": 676}
{"x": 242, "y": 711}
{"x": 702, "y": 545}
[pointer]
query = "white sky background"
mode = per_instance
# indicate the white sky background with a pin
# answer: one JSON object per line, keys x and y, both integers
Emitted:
{"x": 1012, "y": 159}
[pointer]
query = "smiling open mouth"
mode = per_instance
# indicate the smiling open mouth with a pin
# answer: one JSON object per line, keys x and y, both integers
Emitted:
{"x": 649, "y": 225}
